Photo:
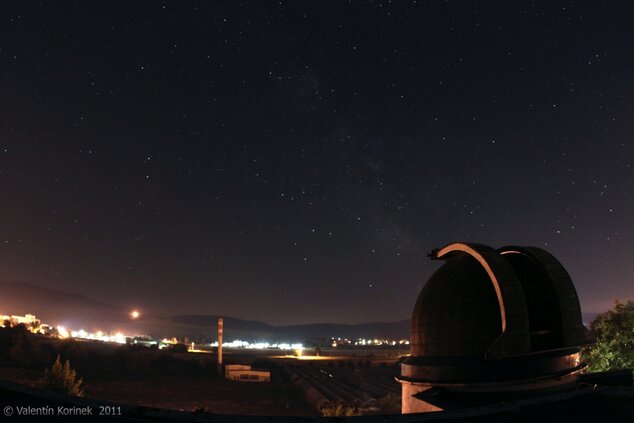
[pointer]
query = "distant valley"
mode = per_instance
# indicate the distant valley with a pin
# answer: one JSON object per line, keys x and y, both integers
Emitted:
{"x": 80, "y": 312}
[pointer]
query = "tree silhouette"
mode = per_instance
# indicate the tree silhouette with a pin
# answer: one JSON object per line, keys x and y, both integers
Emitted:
{"x": 62, "y": 378}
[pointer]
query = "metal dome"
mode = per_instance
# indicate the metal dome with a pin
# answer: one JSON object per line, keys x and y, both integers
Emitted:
{"x": 457, "y": 312}
{"x": 491, "y": 315}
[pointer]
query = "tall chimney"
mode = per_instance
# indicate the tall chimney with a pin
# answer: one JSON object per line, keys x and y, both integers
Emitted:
{"x": 220, "y": 330}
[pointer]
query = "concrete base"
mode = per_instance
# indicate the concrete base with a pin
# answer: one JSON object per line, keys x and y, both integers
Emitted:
{"x": 496, "y": 392}
{"x": 411, "y": 404}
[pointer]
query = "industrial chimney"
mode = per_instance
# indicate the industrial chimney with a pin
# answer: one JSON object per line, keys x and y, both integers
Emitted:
{"x": 220, "y": 330}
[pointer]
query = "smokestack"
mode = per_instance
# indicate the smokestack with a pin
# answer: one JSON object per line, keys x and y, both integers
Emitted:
{"x": 220, "y": 330}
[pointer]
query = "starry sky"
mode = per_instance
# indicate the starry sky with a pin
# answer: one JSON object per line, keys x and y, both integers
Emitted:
{"x": 294, "y": 162}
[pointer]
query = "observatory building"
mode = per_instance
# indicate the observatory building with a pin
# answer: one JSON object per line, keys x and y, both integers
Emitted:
{"x": 492, "y": 325}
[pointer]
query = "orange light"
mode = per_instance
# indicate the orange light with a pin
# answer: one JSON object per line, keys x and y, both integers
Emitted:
{"x": 135, "y": 314}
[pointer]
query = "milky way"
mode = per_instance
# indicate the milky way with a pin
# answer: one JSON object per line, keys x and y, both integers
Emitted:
{"x": 295, "y": 161}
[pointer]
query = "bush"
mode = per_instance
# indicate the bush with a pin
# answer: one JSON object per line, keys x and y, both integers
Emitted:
{"x": 63, "y": 379}
{"x": 614, "y": 335}
{"x": 339, "y": 411}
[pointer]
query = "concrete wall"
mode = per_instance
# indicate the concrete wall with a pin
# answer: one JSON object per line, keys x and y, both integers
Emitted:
{"x": 411, "y": 404}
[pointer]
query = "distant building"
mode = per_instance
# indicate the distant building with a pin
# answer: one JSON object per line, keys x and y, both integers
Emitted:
{"x": 244, "y": 373}
{"x": 143, "y": 341}
{"x": 28, "y": 320}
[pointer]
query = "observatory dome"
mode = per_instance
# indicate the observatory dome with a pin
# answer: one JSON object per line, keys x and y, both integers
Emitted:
{"x": 486, "y": 316}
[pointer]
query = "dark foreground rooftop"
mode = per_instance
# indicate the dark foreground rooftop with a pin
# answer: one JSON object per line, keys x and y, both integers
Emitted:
{"x": 588, "y": 404}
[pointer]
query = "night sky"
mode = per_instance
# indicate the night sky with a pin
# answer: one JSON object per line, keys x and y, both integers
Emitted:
{"x": 294, "y": 162}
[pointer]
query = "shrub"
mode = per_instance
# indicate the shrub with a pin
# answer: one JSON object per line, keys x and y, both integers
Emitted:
{"x": 339, "y": 411}
{"x": 614, "y": 335}
{"x": 63, "y": 379}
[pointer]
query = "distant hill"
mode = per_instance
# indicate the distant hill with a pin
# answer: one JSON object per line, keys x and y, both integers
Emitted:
{"x": 21, "y": 296}
{"x": 56, "y": 307}
{"x": 253, "y": 329}
{"x": 80, "y": 312}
